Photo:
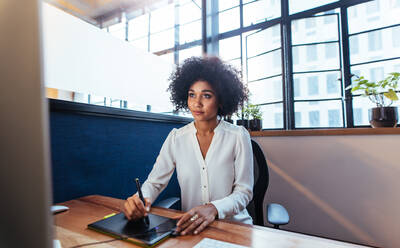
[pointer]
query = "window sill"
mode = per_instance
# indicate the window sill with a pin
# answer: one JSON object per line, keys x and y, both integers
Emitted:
{"x": 325, "y": 132}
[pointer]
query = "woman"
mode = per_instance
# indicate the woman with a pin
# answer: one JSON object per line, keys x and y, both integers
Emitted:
{"x": 213, "y": 158}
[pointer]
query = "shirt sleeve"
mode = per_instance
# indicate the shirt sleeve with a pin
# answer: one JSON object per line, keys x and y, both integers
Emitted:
{"x": 242, "y": 192}
{"x": 162, "y": 170}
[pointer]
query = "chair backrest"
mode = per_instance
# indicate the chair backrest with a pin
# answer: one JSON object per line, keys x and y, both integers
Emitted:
{"x": 261, "y": 180}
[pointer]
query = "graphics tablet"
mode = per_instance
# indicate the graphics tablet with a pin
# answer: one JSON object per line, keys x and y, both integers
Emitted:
{"x": 136, "y": 231}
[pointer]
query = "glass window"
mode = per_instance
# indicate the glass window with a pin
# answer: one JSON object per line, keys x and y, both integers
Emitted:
{"x": 332, "y": 83}
{"x": 142, "y": 43}
{"x": 318, "y": 113}
{"x": 312, "y": 85}
{"x": 138, "y": 27}
{"x": 162, "y": 18}
{"x": 310, "y": 22}
{"x": 189, "y": 52}
{"x": 277, "y": 60}
{"x": 118, "y": 30}
{"x": 263, "y": 66}
{"x": 358, "y": 116}
{"x": 374, "y": 41}
{"x": 162, "y": 40}
{"x": 267, "y": 90}
{"x": 272, "y": 115}
{"x": 313, "y": 117}
{"x": 260, "y": 11}
{"x": 321, "y": 33}
{"x": 376, "y": 74}
{"x": 396, "y": 36}
{"x": 227, "y": 4}
{"x": 229, "y": 20}
{"x": 190, "y": 32}
{"x": 189, "y": 12}
{"x": 300, "y": 5}
{"x": 296, "y": 87}
{"x": 295, "y": 55}
{"x": 387, "y": 15}
{"x": 372, "y": 7}
{"x": 169, "y": 57}
{"x": 330, "y": 50}
{"x": 329, "y": 18}
{"x": 334, "y": 118}
{"x": 297, "y": 118}
{"x": 353, "y": 40}
{"x": 229, "y": 48}
{"x": 260, "y": 42}
{"x": 311, "y": 53}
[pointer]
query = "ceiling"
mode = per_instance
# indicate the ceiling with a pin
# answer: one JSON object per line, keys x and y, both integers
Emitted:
{"x": 98, "y": 12}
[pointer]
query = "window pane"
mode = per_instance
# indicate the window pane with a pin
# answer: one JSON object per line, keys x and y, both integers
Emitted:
{"x": 353, "y": 44}
{"x": 330, "y": 50}
{"x": 371, "y": 15}
{"x": 311, "y": 58}
{"x": 163, "y": 18}
{"x": 317, "y": 85}
{"x": 319, "y": 114}
{"x": 190, "y": 32}
{"x": 229, "y": 20}
{"x": 237, "y": 63}
{"x": 300, "y": 5}
{"x": 162, "y": 40}
{"x": 229, "y": 48}
{"x": 374, "y": 46}
{"x": 376, "y": 71}
{"x": 118, "y": 30}
{"x": 396, "y": 36}
{"x": 263, "y": 41}
{"x": 264, "y": 65}
{"x": 140, "y": 43}
{"x": 169, "y": 57}
{"x": 227, "y": 4}
{"x": 260, "y": 11}
{"x": 314, "y": 29}
{"x": 138, "y": 27}
{"x": 189, "y": 12}
{"x": 190, "y": 52}
{"x": 264, "y": 91}
{"x": 272, "y": 115}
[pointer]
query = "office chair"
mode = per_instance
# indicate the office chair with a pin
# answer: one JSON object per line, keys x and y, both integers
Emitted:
{"x": 276, "y": 213}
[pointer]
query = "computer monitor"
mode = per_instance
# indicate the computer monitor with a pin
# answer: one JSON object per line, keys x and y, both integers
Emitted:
{"x": 25, "y": 219}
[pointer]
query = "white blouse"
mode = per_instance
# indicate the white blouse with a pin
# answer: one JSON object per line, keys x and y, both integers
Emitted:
{"x": 224, "y": 178}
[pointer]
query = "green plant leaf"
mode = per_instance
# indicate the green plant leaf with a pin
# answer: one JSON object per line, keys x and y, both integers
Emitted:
{"x": 391, "y": 94}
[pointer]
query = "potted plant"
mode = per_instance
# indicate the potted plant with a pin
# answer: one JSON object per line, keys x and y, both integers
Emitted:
{"x": 255, "y": 123}
{"x": 383, "y": 94}
{"x": 243, "y": 117}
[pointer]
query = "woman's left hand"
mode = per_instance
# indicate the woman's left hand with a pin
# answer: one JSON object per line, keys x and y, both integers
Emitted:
{"x": 196, "y": 219}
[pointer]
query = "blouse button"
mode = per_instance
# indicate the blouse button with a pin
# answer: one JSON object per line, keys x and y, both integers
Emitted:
{"x": 205, "y": 186}
{"x": 204, "y": 168}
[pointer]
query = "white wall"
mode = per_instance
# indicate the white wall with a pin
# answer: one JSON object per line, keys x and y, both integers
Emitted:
{"x": 82, "y": 58}
{"x": 341, "y": 187}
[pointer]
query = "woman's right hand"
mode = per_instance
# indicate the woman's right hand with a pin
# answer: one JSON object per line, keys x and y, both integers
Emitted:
{"x": 135, "y": 209}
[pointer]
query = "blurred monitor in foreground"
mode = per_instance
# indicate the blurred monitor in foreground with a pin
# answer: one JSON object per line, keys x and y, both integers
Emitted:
{"x": 25, "y": 219}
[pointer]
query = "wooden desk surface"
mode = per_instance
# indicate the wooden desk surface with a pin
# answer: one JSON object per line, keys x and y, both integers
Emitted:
{"x": 71, "y": 229}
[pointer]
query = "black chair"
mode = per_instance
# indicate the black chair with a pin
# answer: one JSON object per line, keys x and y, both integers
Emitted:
{"x": 276, "y": 214}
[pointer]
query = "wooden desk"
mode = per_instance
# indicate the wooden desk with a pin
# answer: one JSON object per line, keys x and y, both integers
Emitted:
{"x": 71, "y": 229}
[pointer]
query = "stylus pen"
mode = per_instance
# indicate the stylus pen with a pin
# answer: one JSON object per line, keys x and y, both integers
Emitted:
{"x": 139, "y": 190}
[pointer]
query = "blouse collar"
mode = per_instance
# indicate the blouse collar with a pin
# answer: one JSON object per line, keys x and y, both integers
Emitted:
{"x": 217, "y": 129}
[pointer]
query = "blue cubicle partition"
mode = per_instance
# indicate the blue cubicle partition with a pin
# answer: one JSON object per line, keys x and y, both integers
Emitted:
{"x": 100, "y": 150}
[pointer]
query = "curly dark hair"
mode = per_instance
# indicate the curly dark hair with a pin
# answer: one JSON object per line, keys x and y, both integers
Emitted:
{"x": 223, "y": 78}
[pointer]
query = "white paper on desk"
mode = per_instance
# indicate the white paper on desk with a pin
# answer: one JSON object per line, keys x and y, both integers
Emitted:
{"x": 213, "y": 243}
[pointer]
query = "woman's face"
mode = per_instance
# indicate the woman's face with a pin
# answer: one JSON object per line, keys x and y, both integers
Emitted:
{"x": 202, "y": 101}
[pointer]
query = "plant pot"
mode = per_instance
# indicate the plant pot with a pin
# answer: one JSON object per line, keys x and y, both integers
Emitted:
{"x": 255, "y": 125}
{"x": 244, "y": 123}
{"x": 383, "y": 116}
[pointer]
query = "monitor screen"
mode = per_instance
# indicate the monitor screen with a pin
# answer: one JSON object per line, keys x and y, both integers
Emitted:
{"x": 25, "y": 219}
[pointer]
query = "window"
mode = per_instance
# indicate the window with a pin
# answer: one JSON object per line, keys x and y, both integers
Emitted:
{"x": 297, "y": 118}
{"x": 311, "y": 53}
{"x": 374, "y": 41}
{"x": 330, "y": 50}
{"x": 295, "y": 55}
{"x": 329, "y": 18}
{"x": 296, "y": 87}
{"x": 300, "y": 5}
{"x": 353, "y": 44}
{"x": 310, "y": 22}
{"x": 334, "y": 118}
{"x": 229, "y": 20}
{"x": 313, "y": 117}
{"x": 373, "y": 7}
{"x": 313, "y": 85}
{"x": 278, "y": 89}
{"x": 278, "y": 119}
{"x": 376, "y": 74}
{"x": 332, "y": 84}
{"x": 357, "y": 115}
{"x": 396, "y": 36}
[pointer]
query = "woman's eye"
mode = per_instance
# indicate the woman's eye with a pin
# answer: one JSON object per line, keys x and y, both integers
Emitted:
{"x": 191, "y": 95}
{"x": 207, "y": 96}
